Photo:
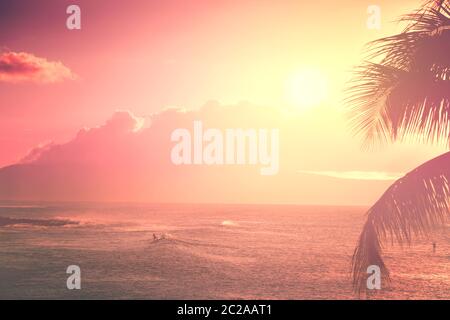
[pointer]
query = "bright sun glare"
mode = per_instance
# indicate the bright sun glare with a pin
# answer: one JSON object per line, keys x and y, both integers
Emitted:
{"x": 307, "y": 88}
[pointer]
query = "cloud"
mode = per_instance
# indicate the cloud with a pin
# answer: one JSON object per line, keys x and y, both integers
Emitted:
{"x": 124, "y": 120}
{"x": 357, "y": 175}
{"x": 127, "y": 159}
{"x": 21, "y": 66}
{"x": 102, "y": 145}
{"x": 36, "y": 152}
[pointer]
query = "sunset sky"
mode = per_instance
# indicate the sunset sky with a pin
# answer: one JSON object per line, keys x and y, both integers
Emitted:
{"x": 256, "y": 63}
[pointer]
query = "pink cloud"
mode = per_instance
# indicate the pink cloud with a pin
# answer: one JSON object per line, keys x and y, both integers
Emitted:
{"x": 36, "y": 152}
{"x": 125, "y": 160}
{"x": 22, "y": 66}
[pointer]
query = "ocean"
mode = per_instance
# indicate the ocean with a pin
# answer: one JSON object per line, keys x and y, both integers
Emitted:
{"x": 208, "y": 252}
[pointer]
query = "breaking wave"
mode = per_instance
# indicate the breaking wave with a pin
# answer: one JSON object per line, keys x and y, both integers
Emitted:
{"x": 5, "y": 221}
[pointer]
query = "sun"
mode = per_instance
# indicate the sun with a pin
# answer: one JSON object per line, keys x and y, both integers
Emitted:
{"x": 306, "y": 88}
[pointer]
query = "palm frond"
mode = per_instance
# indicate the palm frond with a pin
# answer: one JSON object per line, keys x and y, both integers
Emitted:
{"x": 423, "y": 31}
{"x": 413, "y": 206}
{"x": 407, "y": 91}
{"x": 433, "y": 14}
{"x": 389, "y": 104}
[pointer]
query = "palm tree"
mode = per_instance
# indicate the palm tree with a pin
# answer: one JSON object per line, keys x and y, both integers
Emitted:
{"x": 403, "y": 90}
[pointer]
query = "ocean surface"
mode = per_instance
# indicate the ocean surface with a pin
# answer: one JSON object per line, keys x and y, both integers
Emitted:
{"x": 209, "y": 252}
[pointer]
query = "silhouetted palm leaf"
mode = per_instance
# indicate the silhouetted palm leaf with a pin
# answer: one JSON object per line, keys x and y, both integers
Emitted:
{"x": 404, "y": 93}
{"x": 391, "y": 103}
{"x": 414, "y": 205}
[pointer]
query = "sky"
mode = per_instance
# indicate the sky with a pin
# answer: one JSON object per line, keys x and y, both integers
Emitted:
{"x": 108, "y": 96}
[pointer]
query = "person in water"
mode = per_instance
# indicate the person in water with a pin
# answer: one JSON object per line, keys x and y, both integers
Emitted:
{"x": 155, "y": 237}
{"x": 434, "y": 247}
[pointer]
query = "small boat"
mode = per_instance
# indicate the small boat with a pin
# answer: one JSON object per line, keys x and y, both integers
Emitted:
{"x": 161, "y": 237}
